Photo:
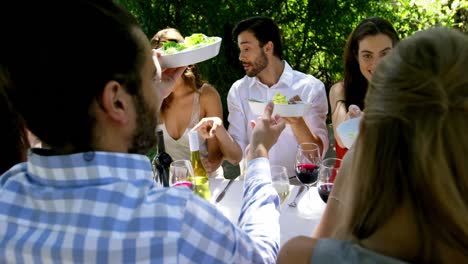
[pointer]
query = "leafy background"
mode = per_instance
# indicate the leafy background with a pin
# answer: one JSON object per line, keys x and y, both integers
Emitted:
{"x": 314, "y": 31}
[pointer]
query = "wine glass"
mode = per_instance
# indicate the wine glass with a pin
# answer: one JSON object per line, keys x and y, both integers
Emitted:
{"x": 181, "y": 174}
{"x": 327, "y": 173}
{"x": 280, "y": 180}
{"x": 307, "y": 164}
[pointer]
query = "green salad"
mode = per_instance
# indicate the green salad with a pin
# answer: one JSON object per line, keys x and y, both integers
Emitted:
{"x": 194, "y": 41}
{"x": 279, "y": 98}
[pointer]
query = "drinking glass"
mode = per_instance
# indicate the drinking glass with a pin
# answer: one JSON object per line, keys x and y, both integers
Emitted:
{"x": 307, "y": 164}
{"x": 280, "y": 180}
{"x": 181, "y": 174}
{"x": 327, "y": 173}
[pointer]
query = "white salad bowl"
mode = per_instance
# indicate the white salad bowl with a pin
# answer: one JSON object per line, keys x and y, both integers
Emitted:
{"x": 348, "y": 131}
{"x": 191, "y": 56}
{"x": 284, "y": 110}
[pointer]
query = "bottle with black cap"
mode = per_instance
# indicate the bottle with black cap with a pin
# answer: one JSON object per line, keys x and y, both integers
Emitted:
{"x": 162, "y": 161}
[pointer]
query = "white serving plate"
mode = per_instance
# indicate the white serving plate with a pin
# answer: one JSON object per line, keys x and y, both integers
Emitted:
{"x": 188, "y": 57}
{"x": 348, "y": 131}
{"x": 284, "y": 110}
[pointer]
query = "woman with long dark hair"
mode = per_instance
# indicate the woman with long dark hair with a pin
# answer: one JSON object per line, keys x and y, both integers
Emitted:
{"x": 404, "y": 199}
{"x": 372, "y": 39}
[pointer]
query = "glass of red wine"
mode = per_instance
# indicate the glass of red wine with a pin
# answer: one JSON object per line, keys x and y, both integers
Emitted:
{"x": 326, "y": 176}
{"x": 307, "y": 167}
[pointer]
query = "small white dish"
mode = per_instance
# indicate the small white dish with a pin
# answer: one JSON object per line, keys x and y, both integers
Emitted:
{"x": 191, "y": 56}
{"x": 284, "y": 110}
{"x": 348, "y": 131}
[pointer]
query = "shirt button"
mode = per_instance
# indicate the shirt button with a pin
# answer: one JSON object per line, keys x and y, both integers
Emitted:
{"x": 88, "y": 156}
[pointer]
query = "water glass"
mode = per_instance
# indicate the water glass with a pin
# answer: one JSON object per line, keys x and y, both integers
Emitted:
{"x": 280, "y": 180}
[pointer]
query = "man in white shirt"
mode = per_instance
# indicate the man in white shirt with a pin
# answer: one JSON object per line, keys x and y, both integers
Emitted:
{"x": 267, "y": 74}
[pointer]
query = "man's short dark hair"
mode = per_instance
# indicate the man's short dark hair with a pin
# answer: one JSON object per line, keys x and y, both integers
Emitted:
{"x": 60, "y": 59}
{"x": 264, "y": 29}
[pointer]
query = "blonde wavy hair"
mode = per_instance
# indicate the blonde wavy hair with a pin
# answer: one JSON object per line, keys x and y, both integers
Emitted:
{"x": 413, "y": 144}
{"x": 191, "y": 76}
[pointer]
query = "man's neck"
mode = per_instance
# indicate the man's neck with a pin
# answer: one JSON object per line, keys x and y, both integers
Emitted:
{"x": 272, "y": 73}
{"x": 47, "y": 150}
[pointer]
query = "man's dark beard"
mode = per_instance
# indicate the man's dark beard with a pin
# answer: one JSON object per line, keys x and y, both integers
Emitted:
{"x": 144, "y": 137}
{"x": 258, "y": 65}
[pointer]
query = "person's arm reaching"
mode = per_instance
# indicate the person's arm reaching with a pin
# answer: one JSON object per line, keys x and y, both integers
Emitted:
{"x": 339, "y": 114}
{"x": 210, "y": 106}
{"x": 209, "y": 236}
{"x": 165, "y": 78}
{"x": 332, "y": 214}
{"x": 258, "y": 217}
{"x": 312, "y": 126}
{"x": 212, "y": 127}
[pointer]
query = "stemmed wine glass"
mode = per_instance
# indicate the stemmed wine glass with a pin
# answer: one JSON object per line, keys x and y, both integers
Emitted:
{"x": 307, "y": 164}
{"x": 327, "y": 173}
{"x": 181, "y": 174}
{"x": 280, "y": 180}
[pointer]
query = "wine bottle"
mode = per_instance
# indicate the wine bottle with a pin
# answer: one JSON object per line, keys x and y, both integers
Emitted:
{"x": 162, "y": 161}
{"x": 202, "y": 184}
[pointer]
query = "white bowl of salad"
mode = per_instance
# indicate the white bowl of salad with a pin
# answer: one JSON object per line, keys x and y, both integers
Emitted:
{"x": 348, "y": 131}
{"x": 282, "y": 106}
{"x": 195, "y": 48}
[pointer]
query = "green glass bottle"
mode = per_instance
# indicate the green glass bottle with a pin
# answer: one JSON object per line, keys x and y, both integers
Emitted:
{"x": 201, "y": 182}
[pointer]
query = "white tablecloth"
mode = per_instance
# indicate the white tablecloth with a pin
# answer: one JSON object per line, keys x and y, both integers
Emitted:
{"x": 292, "y": 223}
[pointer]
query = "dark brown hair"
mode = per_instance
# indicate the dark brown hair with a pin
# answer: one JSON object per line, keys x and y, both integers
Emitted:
{"x": 414, "y": 128}
{"x": 54, "y": 90}
{"x": 355, "y": 84}
{"x": 13, "y": 133}
{"x": 264, "y": 30}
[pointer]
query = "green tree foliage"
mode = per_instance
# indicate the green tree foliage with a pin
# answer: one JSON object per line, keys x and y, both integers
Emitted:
{"x": 413, "y": 15}
{"x": 314, "y": 31}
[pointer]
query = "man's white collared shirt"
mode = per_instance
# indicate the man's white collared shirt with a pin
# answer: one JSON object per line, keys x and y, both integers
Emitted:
{"x": 291, "y": 83}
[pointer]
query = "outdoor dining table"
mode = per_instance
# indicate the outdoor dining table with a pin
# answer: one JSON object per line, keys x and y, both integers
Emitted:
{"x": 292, "y": 222}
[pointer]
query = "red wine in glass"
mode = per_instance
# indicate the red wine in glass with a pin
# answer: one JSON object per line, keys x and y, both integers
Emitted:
{"x": 307, "y": 169}
{"x": 324, "y": 191}
{"x": 307, "y": 173}
{"x": 326, "y": 176}
{"x": 184, "y": 183}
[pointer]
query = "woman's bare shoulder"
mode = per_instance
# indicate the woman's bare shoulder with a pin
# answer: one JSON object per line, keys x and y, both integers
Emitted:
{"x": 209, "y": 93}
{"x": 337, "y": 90}
{"x": 297, "y": 250}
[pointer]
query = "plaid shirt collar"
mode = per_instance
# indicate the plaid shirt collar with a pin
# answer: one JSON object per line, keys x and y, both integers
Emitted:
{"x": 88, "y": 168}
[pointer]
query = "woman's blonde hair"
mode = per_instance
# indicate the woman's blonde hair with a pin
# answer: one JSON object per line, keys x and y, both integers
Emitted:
{"x": 191, "y": 76}
{"x": 413, "y": 144}
{"x": 165, "y": 35}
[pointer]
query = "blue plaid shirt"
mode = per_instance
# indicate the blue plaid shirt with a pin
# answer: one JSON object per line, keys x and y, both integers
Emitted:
{"x": 99, "y": 207}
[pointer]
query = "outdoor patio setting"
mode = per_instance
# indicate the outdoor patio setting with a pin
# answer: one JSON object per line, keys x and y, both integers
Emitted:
{"x": 239, "y": 131}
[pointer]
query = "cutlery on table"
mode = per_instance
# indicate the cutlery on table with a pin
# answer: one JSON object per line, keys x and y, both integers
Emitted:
{"x": 299, "y": 192}
{"x": 221, "y": 194}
